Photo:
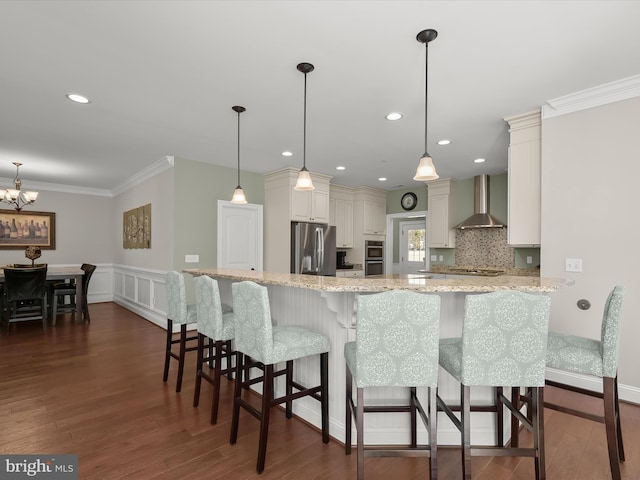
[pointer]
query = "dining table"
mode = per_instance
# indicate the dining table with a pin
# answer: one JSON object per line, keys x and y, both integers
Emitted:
{"x": 64, "y": 273}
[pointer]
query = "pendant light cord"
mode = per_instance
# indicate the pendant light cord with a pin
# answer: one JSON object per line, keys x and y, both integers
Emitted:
{"x": 238, "y": 148}
{"x": 304, "y": 131}
{"x": 426, "y": 90}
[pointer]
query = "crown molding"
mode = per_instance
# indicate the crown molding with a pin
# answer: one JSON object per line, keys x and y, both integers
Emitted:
{"x": 144, "y": 175}
{"x": 593, "y": 97}
{"x": 58, "y": 187}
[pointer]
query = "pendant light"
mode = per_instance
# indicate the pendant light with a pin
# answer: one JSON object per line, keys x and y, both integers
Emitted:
{"x": 304, "y": 178}
{"x": 238, "y": 193}
{"x": 426, "y": 170}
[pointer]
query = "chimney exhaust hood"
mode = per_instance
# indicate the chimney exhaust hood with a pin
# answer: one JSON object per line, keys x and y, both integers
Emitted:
{"x": 481, "y": 217}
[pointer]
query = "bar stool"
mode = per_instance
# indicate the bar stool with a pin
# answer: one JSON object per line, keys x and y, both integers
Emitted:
{"x": 182, "y": 314}
{"x": 259, "y": 343}
{"x": 504, "y": 343}
{"x": 396, "y": 345}
{"x": 215, "y": 332}
{"x": 595, "y": 358}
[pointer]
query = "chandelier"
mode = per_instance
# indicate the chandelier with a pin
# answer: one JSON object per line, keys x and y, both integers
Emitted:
{"x": 16, "y": 197}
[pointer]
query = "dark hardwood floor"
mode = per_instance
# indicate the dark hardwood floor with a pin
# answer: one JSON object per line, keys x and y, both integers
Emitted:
{"x": 96, "y": 390}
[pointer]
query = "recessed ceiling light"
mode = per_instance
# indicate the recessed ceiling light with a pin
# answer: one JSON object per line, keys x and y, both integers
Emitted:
{"x": 479, "y": 160}
{"x": 75, "y": 97}
{"x": 382, "y": 179}
{"x": 341, "y": 167}
{"x": 444, "y": 142}
{"x": 394, "y": 116}
{"x": 286, "y": 154}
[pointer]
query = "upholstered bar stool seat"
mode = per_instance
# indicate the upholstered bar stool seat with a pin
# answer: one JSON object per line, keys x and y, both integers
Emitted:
{"x": 503, "y": 344}
{"x": 183, "y": 314}
{"x": 396, "y": 346}
{"x": 594, "y": 358}
{"x": 215, "y": 332}
{"x": 260, "y": 344}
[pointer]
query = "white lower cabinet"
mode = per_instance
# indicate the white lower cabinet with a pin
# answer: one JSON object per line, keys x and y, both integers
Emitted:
{"x": 349, "y": 273}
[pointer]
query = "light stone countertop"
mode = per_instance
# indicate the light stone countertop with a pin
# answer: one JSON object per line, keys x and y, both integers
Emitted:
{"x": 419, "y": 282}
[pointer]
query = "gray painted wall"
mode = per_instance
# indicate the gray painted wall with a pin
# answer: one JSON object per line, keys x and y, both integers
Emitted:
{"x": 590, "y": 174}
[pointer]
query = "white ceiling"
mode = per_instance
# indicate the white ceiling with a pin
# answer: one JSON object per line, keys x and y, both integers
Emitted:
{"x": 162, "y": 77}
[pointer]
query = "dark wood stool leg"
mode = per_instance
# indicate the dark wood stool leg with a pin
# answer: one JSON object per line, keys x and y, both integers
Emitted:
{"x": 348, "y": 412}
{"x": 267, "y": 398}
{"x": 515, "y": 423}
{"x": 537, "y": 411}
{"x": 167, "y": 355}
{"x": 324, "y": 391}
{"x": 465, "y": 418}
{"x": 217, "y": 373}
{"x": 619, "y": 429}
{"x": 360, "y": 431}
{"x": 181, "y": 355}
{"x": 610, "y": 421}
{"x": 289, "y": 389}
{"x": 196, "y": 393}
{"x": 413, "y": 417}
{"x": 499, "y": 417}
{"x": 237, "y": 392}
{"x": 433, "y": 433}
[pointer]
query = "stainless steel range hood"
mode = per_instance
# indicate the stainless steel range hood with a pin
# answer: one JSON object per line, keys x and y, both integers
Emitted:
{"x": 481, "y": 218}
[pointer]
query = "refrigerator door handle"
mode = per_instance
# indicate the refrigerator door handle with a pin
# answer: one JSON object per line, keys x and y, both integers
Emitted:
{"x": 319, "y": 248}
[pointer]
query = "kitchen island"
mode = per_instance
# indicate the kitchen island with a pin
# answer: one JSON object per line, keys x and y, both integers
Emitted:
{"x": 327, "y": 305}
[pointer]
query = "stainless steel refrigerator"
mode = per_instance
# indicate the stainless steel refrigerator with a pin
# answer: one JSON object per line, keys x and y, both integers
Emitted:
{"x": 313, "y": 249}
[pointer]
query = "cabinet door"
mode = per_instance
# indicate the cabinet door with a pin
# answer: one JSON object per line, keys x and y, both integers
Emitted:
{"x": 344, "y": 223}
{"x": 320, "y": 206}
{"x": 301, "y": 205}
{"x": 438, "y": 233}
{"x": 374, "y": 217}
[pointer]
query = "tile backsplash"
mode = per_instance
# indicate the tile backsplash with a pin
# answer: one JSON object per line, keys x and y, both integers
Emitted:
{"x": 484, "y": 247}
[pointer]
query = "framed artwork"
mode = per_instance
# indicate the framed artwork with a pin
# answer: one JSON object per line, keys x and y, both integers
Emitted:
{"x": 21, "y": 229}
{"x": 136, "y": 227}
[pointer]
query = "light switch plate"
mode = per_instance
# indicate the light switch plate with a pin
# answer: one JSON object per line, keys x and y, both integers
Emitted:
{"x": 573, "y": 265}
{"x": 191, "y": 258}
{"x": 434, "y": 258}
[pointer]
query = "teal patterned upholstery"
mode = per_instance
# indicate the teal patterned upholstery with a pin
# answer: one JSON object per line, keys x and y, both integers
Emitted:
{"x": 587, "y": 356}
{"x": 257, "y": 337}
{"x": 396, "y": 340}
{"x": 177, "y": 309}
{"x": 504, "y": 341}
{"x": 212, "y": 322}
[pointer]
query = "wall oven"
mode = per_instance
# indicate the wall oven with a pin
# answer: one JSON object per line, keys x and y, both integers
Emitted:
{"x": 374, "y": 257}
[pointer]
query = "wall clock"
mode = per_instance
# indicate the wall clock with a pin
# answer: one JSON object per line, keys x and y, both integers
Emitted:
{"x": 409, "y": 201}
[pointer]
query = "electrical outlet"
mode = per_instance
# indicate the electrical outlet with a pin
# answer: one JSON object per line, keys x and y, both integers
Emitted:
{"x": 529, "y": 259}
{"x": 441, "y": 258}
{"x": 191, "y": 258}
{"x": 434, "y": 258}
{"x": 573, "y": 265}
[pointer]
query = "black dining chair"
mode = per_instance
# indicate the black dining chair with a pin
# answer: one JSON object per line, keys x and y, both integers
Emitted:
{"x": 25, "y": 294}
{"x": 61, "y": 290}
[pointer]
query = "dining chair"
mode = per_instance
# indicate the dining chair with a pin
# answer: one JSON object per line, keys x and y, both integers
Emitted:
{"x": 503, "y": 343}
{"x": 25, "y": 294}
{"x": 260, "y": 344}
{"x": 61, "y": 290}
{"x": 596, "y": 359}
{"x": 183, "y": 314}
{"x": 396, "y": 345}
{"x": 216, "y": 329}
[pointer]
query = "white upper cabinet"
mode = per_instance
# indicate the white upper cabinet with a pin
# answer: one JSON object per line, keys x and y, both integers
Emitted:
{"x": 524, "y": 197}
{"x": 375, "y": 216}
{"x": 344, "y": 223}
{"x": 440, "y": 231}
{"x": 310, "y": 205}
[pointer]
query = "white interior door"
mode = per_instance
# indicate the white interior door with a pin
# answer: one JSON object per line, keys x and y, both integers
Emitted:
{"x": 413, "y": 246}
{"x": 239, "y": 236}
